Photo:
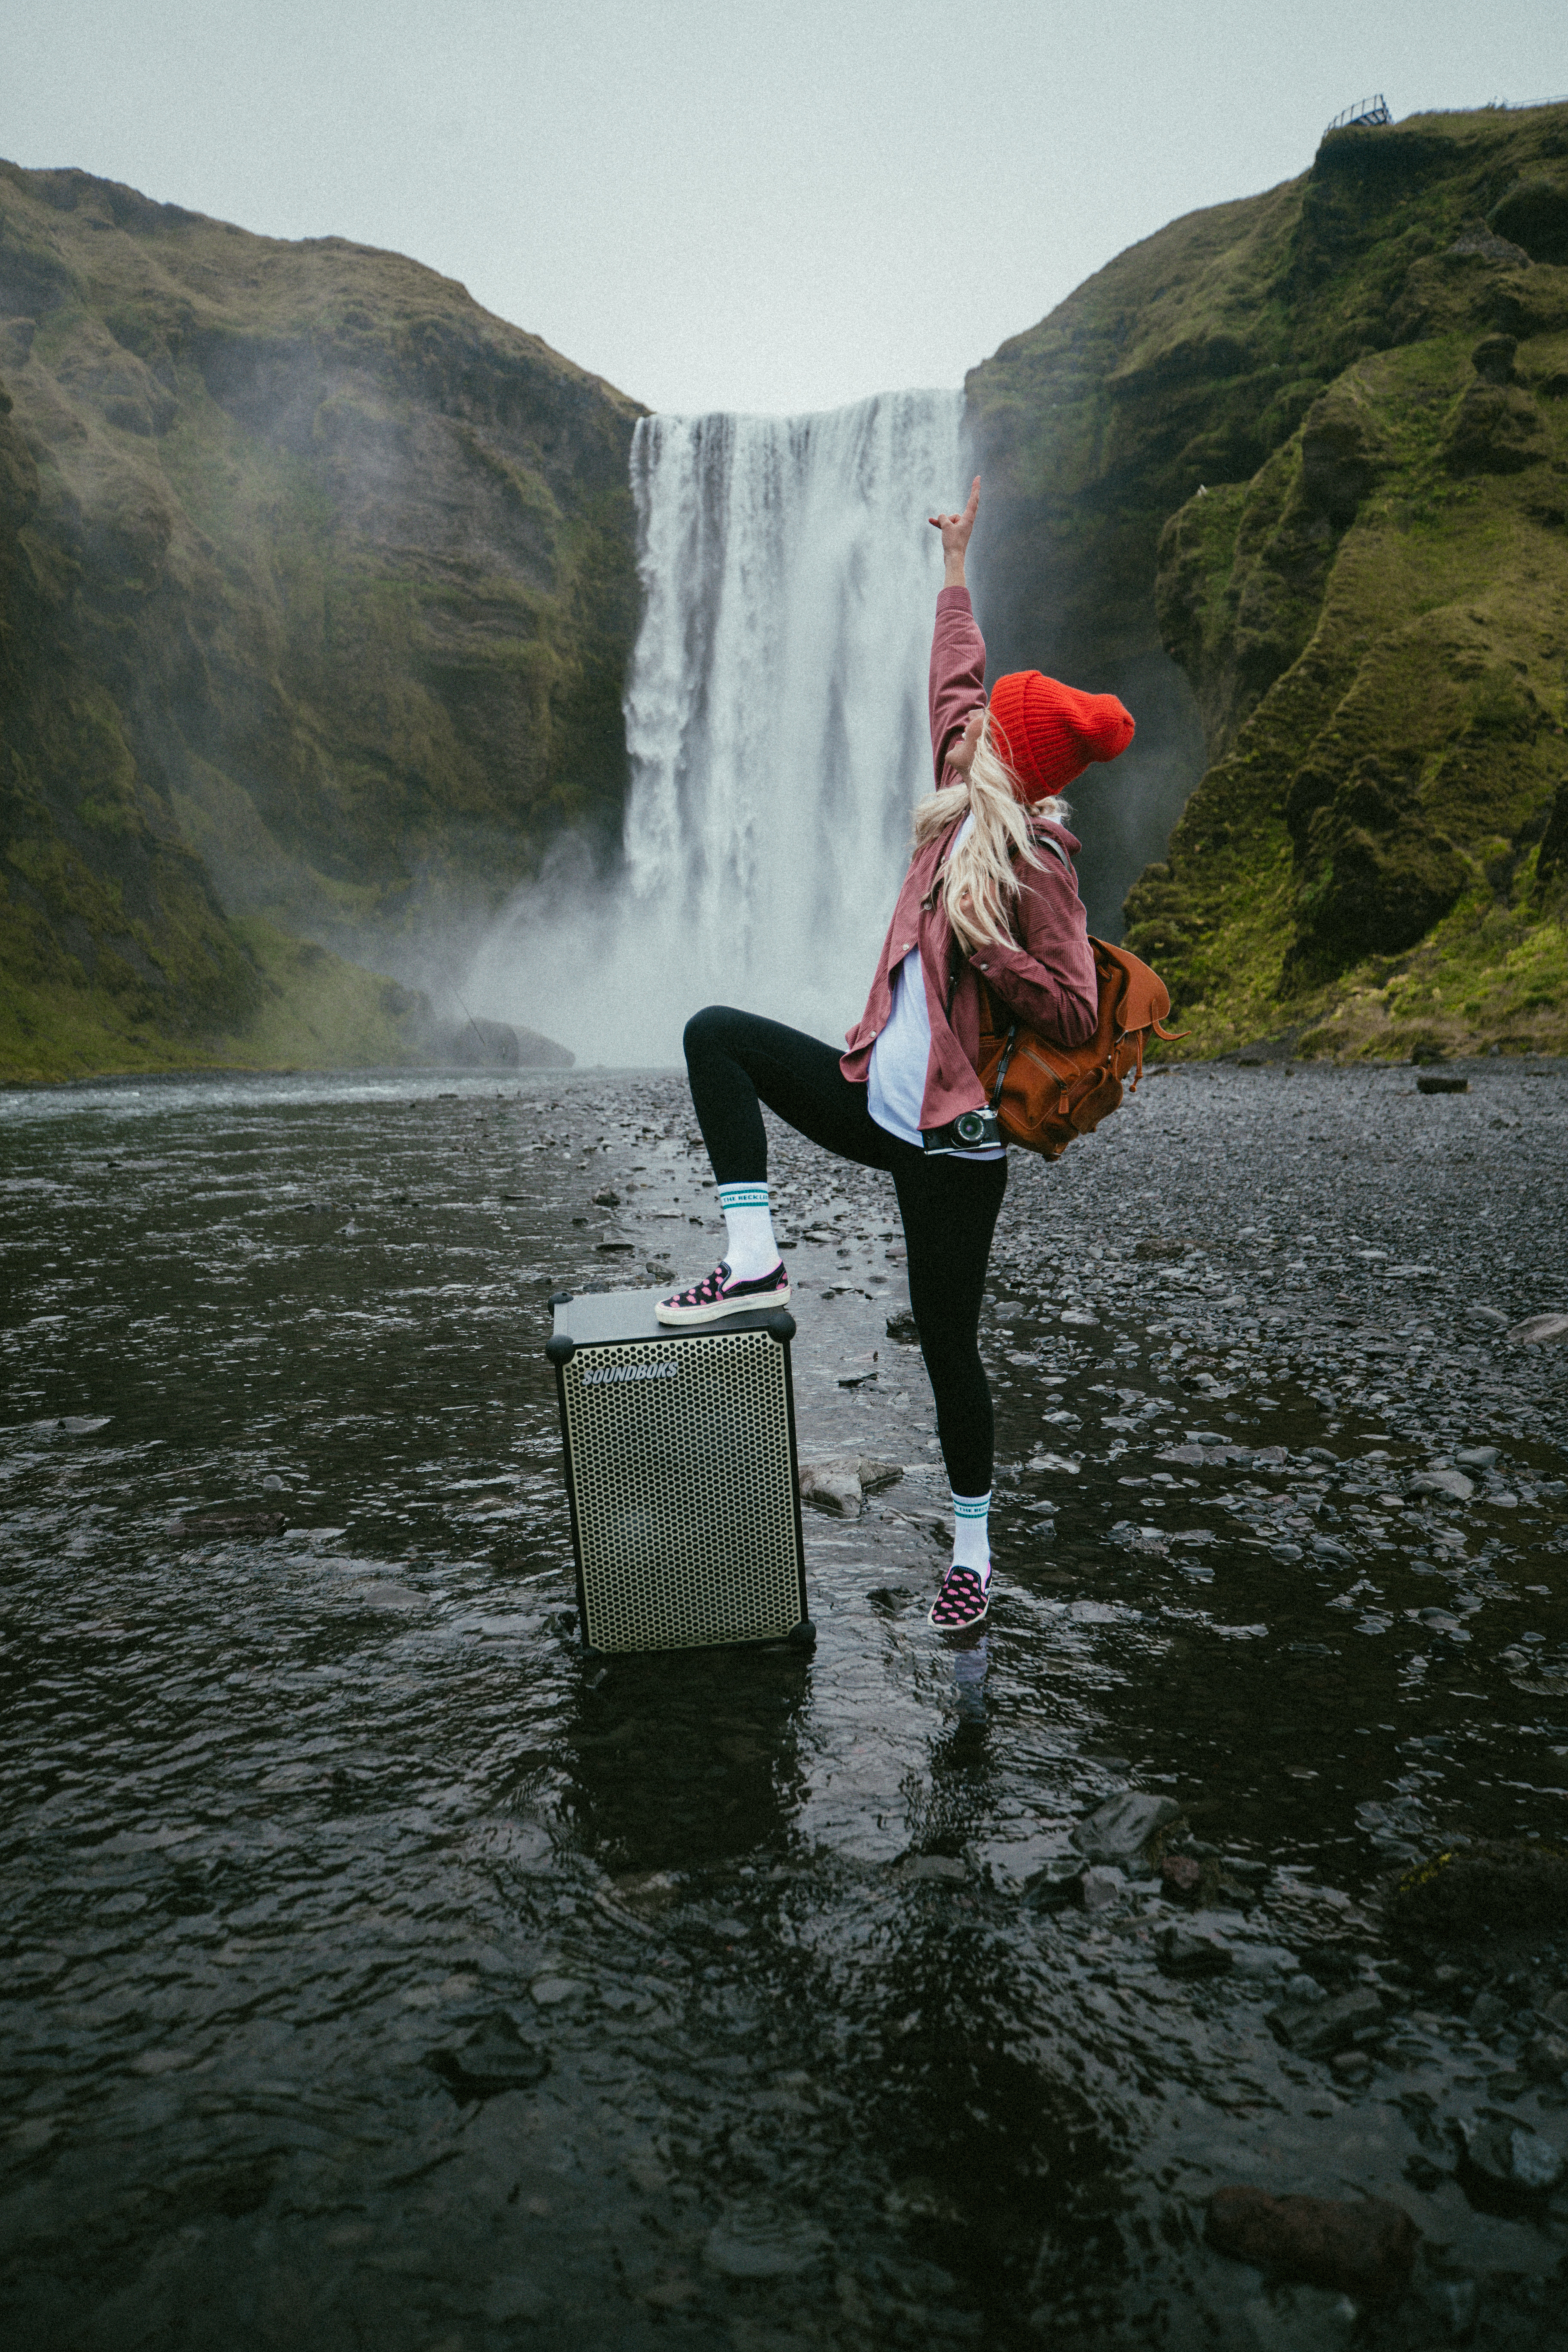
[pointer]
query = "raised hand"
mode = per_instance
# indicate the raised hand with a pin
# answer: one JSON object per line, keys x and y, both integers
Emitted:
{"x": 955, "y": 530}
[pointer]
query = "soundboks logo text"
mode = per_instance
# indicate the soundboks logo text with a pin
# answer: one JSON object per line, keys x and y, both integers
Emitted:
{"x": 601, "y": 1376}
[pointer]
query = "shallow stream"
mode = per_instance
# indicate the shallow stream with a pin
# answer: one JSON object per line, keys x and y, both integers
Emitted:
{"x": 382, "y": 1974}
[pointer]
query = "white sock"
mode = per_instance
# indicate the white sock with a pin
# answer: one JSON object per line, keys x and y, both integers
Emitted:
{"x": 751, "y": 1250}
{"x": 972, "y": 1533}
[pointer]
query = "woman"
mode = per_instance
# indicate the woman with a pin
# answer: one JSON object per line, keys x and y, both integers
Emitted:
{"x": 990, "y": 895}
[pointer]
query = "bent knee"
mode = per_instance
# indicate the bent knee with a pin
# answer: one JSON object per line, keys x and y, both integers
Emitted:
{"x": 707, "y": 1030}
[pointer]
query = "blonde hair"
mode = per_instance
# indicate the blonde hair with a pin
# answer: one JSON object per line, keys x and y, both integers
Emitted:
{"x": 979, "y": 880}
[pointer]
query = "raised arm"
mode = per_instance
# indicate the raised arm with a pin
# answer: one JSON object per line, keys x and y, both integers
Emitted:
{"x": 957, "y": 651}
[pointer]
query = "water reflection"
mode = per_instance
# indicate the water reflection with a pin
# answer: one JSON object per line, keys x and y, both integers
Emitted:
{"x": 686, "y": 1762}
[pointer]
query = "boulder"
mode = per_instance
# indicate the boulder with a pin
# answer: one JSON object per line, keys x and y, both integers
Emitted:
{"x": 1546, "y": 2057}
{"x": 1182, "y": 1954}
{"x": 1538, "y": 1331}
{"x": 1059, "y": 1884}
{"x": 832, "y": 1486}
{"x": 1506, "y": 2168}
{"x": 1124, "y": 1825}
{"x": 1363, "y": 2246}
{"x": 1452, "y": 1483}
{"x": 494, "y": 2058}
{"x": 1315, "y": 2029}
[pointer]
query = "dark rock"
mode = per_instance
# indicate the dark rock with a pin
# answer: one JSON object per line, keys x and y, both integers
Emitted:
{"x": 480, "y": 1044}
{"x": 1122, "y": 1824}
{"x": 832, "y": 1486}
{"x": 606, "y": 1200}
{"x": 1506, "y": 2168}
{"x": 231, "y": 1523}
{"x": 1182, "y": 1875}
{"x": 1057, "y": 1886}
{"x": 1429, "y": 1084}
{"x": 904, "y": 1330}
{"x": 1495, "y": 1883}
{"x": 1182, "y": 1954}
{"x": 1317, "y": 2029}
{"x": 1546, "y": 2057}
{"x": 496, "y": 2057}
{"x": 1488, "y": 2011}
{"x": 614, "y": 1248}
{"x": 1361, "y": 2246}
{"x": 1156, "y": 1250}
{"x": 873, "y": 1474}
{"x": 1538, "y": 1330}
{"x": 944, "y": 1868}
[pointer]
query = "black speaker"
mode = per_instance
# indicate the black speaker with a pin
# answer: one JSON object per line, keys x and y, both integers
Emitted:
{"x": 681, "y": 1471}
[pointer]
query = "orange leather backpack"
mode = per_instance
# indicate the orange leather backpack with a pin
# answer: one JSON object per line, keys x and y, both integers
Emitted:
{"x": 1047, "y": 1095}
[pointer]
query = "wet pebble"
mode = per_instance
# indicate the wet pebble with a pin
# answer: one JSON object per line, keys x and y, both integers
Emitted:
{"x": 1317, "y": 2029}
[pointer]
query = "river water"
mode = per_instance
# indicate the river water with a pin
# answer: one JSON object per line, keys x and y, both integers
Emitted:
{"x": 380, "y": 1974}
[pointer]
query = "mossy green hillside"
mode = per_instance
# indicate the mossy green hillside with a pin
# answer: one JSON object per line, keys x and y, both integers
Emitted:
{"x": 306, "y": 1009}
{"x": 1315, "y": 447}
{"x": 317, "y": 587}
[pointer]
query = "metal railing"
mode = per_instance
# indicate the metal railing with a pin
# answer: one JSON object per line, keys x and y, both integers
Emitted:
{"x": 1366, "y": 111}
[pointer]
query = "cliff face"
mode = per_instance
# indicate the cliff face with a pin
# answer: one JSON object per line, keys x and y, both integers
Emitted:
{"x": 317, "y": 588}
{"x": 1314, "y": 445}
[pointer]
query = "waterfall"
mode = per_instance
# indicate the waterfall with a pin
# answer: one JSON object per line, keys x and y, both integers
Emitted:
{"x": 776, "y": 726}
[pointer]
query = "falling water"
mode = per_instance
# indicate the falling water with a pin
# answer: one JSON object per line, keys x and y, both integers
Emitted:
{"x": 777, "y": 724}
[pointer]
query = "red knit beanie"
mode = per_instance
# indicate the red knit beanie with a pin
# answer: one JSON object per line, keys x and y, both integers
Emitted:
{"x": 1048, "y": 733}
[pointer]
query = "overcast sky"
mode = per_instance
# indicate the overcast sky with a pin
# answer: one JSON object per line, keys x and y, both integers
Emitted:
{"x": 734, "y": 203}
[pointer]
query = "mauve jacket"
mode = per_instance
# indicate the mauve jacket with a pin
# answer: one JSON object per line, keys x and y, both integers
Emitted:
{"x": 1049, "y": 980}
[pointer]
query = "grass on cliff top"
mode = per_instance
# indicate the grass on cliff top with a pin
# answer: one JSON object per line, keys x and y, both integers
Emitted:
{"x": 318, "y": 1012}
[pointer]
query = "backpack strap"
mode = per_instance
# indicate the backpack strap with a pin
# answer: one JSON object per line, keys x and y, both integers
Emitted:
{"x": 1050, "y": 841}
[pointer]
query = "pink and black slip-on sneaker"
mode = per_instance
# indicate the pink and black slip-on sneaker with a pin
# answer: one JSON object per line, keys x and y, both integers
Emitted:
{"x": 720, "y": 1294}
{"x": 962, "y": 1602}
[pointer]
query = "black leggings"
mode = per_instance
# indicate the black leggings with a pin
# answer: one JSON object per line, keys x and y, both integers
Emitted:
{"x": 949, "y": 1206}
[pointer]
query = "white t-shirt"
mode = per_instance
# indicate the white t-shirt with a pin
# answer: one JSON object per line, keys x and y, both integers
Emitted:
{"x": 896, "y": 1082}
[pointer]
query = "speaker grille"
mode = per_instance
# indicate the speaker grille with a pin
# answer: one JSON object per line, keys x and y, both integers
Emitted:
{"x": 683, "y": 1482}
